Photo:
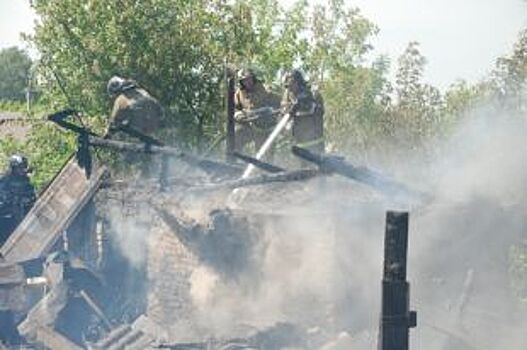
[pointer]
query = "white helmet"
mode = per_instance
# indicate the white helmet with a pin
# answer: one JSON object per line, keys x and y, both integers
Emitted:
{"x": 116, "y": 84}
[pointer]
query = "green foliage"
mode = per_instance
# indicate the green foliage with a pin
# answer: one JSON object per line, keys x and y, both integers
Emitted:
{"x": 176, "y": 50}
{"x": 351, "y": 88}
{"x": 46, "y": 147}
{"x": 14, "y": 74}
{"x": 509, "y": 80}
{"x": 460, "y": 98}
{"x": 12, "y": 106}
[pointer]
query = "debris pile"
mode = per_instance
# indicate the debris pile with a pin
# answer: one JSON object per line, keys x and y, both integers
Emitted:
{"x": 212, "y": 260}
{"x": 103, "y": 264}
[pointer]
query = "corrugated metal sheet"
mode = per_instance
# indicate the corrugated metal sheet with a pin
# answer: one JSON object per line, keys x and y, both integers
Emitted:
{"x": 53, "y": 212}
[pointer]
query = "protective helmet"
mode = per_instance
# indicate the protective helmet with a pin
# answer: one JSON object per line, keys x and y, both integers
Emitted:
{"x": 245, "y": 73}
{"x": 114, "y": 85}
{"x": 296, "y": 76}
{"x": 18, "y": 162}
{"x": 117, "y": 84}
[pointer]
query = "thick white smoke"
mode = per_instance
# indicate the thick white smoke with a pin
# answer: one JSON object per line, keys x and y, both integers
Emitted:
{"x": 317, "y": 249}
{"x": 322, "y": 265}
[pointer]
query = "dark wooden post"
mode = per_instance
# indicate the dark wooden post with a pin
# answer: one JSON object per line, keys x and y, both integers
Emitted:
{"x": 229, "y": 75}
{"x": 396, "y": 319}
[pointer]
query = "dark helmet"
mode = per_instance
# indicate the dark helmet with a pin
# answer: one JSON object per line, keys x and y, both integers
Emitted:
{"x": 245, "y": 73}
{"x": 18, "y": 163}
{"x": 295, "y": 75}
{"x": 117, "y": 84}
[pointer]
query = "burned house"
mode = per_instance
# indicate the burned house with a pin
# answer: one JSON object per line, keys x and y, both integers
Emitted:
{"x": 282, "y": 259}
{"x": 156, "y": 267}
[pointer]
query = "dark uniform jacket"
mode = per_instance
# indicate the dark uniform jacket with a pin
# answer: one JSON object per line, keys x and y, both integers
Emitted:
{"x": 136, "y": 109}
{"x": 17, "y": 196}
{"x": 307, "y": 110}
{"x": 250, "y": 101}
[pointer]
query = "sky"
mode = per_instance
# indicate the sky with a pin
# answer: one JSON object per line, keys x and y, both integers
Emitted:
{"x": 460, "y": 38}
{"x": 15, "y": 16}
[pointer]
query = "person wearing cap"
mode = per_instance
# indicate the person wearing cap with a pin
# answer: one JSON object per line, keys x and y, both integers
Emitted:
{"x": 133, "y": 108}
{"x": 307, "y": 112}
{"x": 255, "y": 106}
{"x": 17, "y": 195}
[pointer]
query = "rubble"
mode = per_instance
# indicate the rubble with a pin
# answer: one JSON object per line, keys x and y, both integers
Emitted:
{"x": 180, "y": 243}
{"x": 12, "y": 300}
{"x": 55, "y": 210}
{"x": 137, "y": 336}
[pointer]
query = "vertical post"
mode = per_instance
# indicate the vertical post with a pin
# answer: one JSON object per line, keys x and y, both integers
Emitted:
{"x": 396, "y": 319}
{"x": 230, "y": 80}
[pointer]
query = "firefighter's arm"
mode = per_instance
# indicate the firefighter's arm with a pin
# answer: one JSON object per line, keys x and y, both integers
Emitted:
{"x": 255, "y": 114}
{"x": 241, "y": 116}
{"x": 310, "y": 110}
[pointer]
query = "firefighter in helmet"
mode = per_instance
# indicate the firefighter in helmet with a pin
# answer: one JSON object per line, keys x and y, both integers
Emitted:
{"x": 255, "y": 106}
{"x": 133, "y": 108}
{"x": 17, "y": 195}
{"x": 306, "y": 107}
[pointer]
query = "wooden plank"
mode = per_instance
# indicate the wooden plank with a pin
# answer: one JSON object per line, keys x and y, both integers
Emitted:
{"x": 339, "y": 165}
{"x": 52, "y": 213}
{"x": 53, "y": 340}
{"x": 207, "y": 165}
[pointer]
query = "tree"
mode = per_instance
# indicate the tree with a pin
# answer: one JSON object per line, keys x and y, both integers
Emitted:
{"x": 336, "y": 60}
{"x": 509, "y": 79}
{"x": 176, "y": 49}
{"x": 417, "y": 113}
{"x": 14, "y": 74}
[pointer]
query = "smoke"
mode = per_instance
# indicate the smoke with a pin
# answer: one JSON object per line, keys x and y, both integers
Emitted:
{"x": 313, "y": 266}
{"x": 484, "y": 158}
{"x": 323, "y": 259}
{"x": 130, "y": 224}
{"x": 460, "y": 243}
{"x": 315, "y": 252}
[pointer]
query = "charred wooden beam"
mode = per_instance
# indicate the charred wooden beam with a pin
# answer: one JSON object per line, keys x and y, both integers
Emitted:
{"x": 290, "y": 176}
{"x": 258, "y": 163}
{"x": 338, "y": 165}
{"x": 208, "y": 165}
{"x": 396, "y": 318}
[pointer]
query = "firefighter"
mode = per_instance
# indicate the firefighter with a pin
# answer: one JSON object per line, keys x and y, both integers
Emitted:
{"x": 139, "y": 115}
{"x": 133, "y": 108}
{"x": 17, "y": 195}
{"x": 307, "y": 112}
{"x": 255, "y": 106}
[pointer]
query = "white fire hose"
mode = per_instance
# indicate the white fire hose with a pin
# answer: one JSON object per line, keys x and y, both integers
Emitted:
{"x": 238, "y": 195}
